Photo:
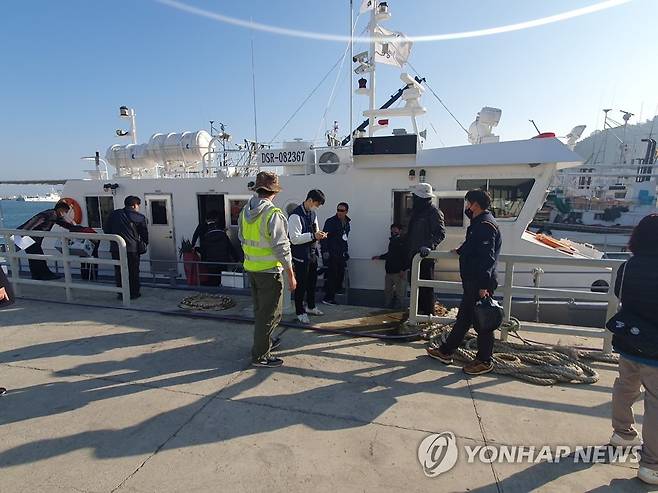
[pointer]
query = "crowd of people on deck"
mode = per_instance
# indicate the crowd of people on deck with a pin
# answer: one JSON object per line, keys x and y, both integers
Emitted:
{"x": 275, "y": 246}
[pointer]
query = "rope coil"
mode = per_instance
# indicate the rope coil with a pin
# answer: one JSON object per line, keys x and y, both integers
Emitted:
{"x": 207, "y": 301}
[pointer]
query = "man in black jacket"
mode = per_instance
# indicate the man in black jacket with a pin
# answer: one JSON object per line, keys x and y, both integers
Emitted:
{"x": 44, "y": 221}
{"x": 131, "y": 226}
{"x": 395, "y": 286}
{"x": 334, "y": 252}
{"x": 426, "y": 230}
{"x": 478, "y": 257}
{"x": 216, "y": 246}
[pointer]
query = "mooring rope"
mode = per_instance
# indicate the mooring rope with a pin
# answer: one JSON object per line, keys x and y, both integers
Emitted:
{"x": 207, "y": 301}
{"x": 536, "y": 363}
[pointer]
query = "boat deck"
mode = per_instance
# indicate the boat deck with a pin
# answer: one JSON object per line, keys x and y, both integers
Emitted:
{"x": 105, "y": 399}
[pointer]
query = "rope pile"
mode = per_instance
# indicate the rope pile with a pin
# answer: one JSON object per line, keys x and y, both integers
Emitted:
{"x": 535, "y": 363}
{"x": 207, "y": 301}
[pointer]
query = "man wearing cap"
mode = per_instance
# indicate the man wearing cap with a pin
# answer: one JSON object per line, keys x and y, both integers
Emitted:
{"x": 263, "y": 232}
{"x": 426, "y": 230}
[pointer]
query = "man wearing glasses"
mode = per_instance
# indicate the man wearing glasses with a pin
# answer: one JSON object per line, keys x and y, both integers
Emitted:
{"x": 334, "y": 252}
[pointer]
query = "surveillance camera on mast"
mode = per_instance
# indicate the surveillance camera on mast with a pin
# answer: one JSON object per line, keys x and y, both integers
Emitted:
{"x": 361, "y": 57}
{"x": 122, "y": 133}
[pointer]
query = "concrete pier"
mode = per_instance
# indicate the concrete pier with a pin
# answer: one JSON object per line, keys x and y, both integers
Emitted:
{"x": 102, "y": 400}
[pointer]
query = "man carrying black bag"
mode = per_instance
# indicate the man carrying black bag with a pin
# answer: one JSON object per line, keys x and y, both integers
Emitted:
{"x": 131, "y": 226}
{"x": 478, "y": 257}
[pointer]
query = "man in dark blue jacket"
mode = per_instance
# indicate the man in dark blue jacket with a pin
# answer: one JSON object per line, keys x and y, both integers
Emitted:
{"x": 478, "y": 257}
{"x": 131, "y": 226}
{"x": 334, "y": 252}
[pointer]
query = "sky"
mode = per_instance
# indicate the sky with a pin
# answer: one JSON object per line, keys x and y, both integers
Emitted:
{"x": 68, "y": 65}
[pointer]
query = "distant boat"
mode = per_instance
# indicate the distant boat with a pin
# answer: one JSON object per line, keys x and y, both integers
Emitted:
{"x": 49, "y": 197}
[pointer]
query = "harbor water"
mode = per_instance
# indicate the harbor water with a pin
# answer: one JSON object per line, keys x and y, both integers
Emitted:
{"x": 14, "y": 212}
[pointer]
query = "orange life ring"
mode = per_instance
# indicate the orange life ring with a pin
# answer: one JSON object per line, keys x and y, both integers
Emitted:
{"x": 77, "y": 210}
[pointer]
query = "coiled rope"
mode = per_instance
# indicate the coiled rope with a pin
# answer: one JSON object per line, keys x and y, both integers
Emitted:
{"x": 207, "y": 301}
{"x": 539, "y": 364}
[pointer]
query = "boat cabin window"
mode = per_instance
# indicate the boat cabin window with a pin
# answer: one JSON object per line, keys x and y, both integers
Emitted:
{"x": 508, "y": 195}
{"x": 158, "y": 212}
{"x": 453, "y": 211}
{"x": 98, "y": 209}
{"x": 236, "y": 206}
{"x": 211, "y": 202}
{"x": 402, "y": 205}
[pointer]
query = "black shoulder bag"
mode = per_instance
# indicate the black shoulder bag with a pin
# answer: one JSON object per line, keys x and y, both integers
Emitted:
{"x": 632, "y": 333}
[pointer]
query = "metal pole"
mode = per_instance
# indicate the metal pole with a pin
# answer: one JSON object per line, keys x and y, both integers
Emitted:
{"x": 373, "y": 69}
{"x": 349, "y": 65}
{"x": 123, "y": 264}
{"x": 507, "y": 298}
{"x": 253, "y": 88}
{"x": 413, "y": 302}
{"x": 133, "y": 126}
{"x": 67, "y": 266}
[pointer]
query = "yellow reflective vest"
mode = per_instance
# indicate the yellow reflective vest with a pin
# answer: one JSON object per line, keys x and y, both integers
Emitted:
{"x": 256, "y": 241}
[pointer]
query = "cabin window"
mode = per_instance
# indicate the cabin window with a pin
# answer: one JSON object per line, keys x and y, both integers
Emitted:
{"x": 508, "y": 196}
{"x": 453, "y": 211}
{"x": 235, "y": 206}
{"x": 98, "y": 210}
{"x": 159, "y": 212}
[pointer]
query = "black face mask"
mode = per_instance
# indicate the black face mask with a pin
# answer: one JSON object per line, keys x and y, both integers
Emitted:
{"x": 469, "y": 213}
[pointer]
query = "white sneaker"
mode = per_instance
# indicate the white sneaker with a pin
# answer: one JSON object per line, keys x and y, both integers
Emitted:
{"x": 647, "y": 475}
{"x": 619, "y": 441}
{"x": 315, "y": 311}
{"x": 303, "y": 319}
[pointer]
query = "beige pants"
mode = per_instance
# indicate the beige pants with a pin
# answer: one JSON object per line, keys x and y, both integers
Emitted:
{"x": 625, "y": 392}
{"x": 395, "y": 285}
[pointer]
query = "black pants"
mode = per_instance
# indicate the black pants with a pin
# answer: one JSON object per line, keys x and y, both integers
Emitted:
{"x": 38, "y": 268}
{"x": 334, "y": 277}
{"x": 426, "y": 295}
{"x": 267, "y": 295}
{"x": 214, "y": 274}
{"x": 133, "y": 272}
{"x": 464, "y": 322}
{"x": 307, "y": 277}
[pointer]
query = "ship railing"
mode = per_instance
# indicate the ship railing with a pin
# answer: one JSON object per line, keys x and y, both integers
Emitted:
{"x": 68, "y": 260}
{"x": 509, "y": 290}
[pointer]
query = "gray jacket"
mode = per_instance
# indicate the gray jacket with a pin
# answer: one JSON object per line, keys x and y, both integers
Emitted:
{"x": 277, "y": 227}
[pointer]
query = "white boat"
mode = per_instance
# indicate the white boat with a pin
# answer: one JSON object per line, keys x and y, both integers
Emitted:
{"x": 49, "y": 197}
{"x": 181, "y": 176}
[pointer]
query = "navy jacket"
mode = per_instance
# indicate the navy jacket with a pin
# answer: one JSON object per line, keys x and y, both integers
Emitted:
{"x": 130, "y": 225}
{"x": 306, "y": 251}
{"x": 335, "y": 245}
{"x": 478, "y": 255}
{"x": 396, "y": 256}
{"x": 639, "y": 293}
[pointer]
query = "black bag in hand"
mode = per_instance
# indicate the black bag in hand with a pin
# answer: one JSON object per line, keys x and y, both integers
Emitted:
{"x": 632, "y": 333}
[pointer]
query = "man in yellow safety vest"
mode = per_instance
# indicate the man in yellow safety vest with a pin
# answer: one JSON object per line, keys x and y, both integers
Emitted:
{"x": 263, "y": 232}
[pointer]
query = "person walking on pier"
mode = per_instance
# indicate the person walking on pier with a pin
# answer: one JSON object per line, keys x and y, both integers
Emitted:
{"x": 636, "y": 286}
{"x": 478, "y": 256}
{"x": 263, "y": 232}
{"x": 131, "y": 226}
{"x": 426, "y": 230}
{"x": 304, "y": 234}
{"x": 44, "y": 221}
{"x": 335, "y": 252}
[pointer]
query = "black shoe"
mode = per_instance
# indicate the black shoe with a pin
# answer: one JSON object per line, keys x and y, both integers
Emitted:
{"x": 3, "y": 391}
{"x": 267, "y": 362}
{"x": 275, "y": 343}
{"x": 329, "y": 302}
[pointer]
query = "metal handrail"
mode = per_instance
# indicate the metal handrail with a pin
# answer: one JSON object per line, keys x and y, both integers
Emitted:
{"x": 14, "y": 257}
{"x": 509, "y": 290}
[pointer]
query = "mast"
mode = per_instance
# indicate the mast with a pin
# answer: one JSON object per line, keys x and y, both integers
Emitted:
{"x": 373, "y": 25}
{"x": 349, "y": 67}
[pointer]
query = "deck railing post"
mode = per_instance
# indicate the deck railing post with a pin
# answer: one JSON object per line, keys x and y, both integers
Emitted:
{"x": 507, "y": 297}
{"x": 413, "y": 302}
{"x": 67, "y": 266}
{"x": 14, "y": 263}
{"x": 125, "y": 279}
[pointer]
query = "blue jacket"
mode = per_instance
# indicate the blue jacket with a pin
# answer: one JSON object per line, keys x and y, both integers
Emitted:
{"x": 336, "y": 230}
{"x": 130, "y": 225}
{"x": 305, "y": 251}
{"x": 478, "y": 255}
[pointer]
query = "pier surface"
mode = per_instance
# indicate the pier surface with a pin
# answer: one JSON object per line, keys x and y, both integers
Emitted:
{"x": 102, "y": 399}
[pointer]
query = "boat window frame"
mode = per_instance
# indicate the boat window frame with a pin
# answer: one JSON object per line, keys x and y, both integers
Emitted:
{"x": 535, "y": 180}
{"x": 100, "y": 214}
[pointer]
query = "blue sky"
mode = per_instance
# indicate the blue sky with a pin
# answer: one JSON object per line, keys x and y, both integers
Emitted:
{"x": 68, "y": 65}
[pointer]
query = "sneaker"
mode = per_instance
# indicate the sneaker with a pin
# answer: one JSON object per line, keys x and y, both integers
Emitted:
{"x": 275, "y": 342}
{"x": 619, "y": 441}
{"x": 329, "y": 302}
{"x": 267, "y": 362}
{"x": 478, "y": 368}
{"x": 649, "y": 476}
{"x": 436, "y": 353}
{"x": 315, "y": 311}
{"x": 303, "y": 319}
